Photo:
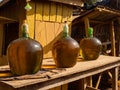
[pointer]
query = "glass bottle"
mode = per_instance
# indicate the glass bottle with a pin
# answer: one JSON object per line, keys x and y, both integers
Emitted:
{"x": 65, "y": 51}
{"x": 90, "y": 47}
{"x": 24, "y": 54}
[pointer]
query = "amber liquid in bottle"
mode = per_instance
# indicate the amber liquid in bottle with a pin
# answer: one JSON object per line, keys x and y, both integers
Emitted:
{"x": 24, "y": 54}
{"x": 65, "y": 51}
{"x": 90, "y": 47}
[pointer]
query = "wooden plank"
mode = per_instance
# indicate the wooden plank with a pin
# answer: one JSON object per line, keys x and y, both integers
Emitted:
{"x": 91, "y": 88}
{"x": 6, "y": 20}
{"x": 53, "y": 12}
{"x": 52, "y": 89}
{"x": 70, "y": 27}
{"x": 40, "y": 33}
{"x": 58, "y": 88}
{"x": 3, "y": 60}
{"x": 70, "y": 13}
{"x": 64, "y": 87}
{"x": 65, "y": 75}
{"x": 65, "y": 13}
{"x": 50, "y": 35}
{"x": 93, "y": 14}
{"x": 47, "y": 33}
{"x": 31, "y": 20}
{"x": 58, "y": 30}
{"x": 59, "y": 13}
{"x": 39, "y": 11}
{"x": 71, "y": 2}
{"x": 6, "y": 11}
{"x": 112, "y": 33}
{"x": 46, "y": 11}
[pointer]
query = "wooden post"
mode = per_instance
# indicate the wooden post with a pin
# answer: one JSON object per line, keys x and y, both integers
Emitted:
{"x": 83, "y": 83}
{"x": 89, "y": 81}
{"x": 115, "y": 78}
{"x": 118, "y": 37}
{"x": 98, "y": 82}
{"x": 112, "y": 38}
{"x": 87, "y": 25}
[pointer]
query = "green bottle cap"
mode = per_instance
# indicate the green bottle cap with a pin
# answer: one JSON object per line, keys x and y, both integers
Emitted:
{"x": 25, "y": 30}
{"x": 65, "y": 30}
{"x": 90, "y": 32}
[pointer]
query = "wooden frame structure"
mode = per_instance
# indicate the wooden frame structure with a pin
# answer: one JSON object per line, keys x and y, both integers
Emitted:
{"x": 98, "y": 16}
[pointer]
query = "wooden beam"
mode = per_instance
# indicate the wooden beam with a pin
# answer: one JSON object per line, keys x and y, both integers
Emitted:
{"x": 5, "y": 18}
{"x": 115, "y": 12}
{"x": 91, "y": 88}
{"x": 95, "y": 21}
{"x": 70, "y": 2}
{"x": 87, "y": 25}
{"x": 98, "y": 82}
{"x": 115, "y": 78}
{"x": 112, "y": 32}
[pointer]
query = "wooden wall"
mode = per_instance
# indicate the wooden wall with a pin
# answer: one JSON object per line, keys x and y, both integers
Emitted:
{"x": 10, "y": 10}
{"x": 46, "y": 21}
{"x": 1, "y": 38}
{"x": 3, "y": 59}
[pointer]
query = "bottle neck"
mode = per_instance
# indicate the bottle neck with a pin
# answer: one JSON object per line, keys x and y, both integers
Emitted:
{"x": 90, "y": 35}
{"x": 90, "y": 32}
{"x": 65, "y": 30}
{"x": 25, "y": 30}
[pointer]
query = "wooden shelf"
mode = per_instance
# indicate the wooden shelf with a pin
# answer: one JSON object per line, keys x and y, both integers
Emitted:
{"x": 108, "y": 42}
{"x": 53, "y": 77}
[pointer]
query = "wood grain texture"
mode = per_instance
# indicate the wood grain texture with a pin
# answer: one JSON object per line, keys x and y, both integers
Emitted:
{"x": 39, "y": 11}
{"x": 40, "y": 33}
{"x": 112, "y": 33}
{"x": 65, "y": 13}
{"x": 50, "y": 38}
{"x": 58, "y": 77}
{"x": 53, "y": 12}
{"x": 70, "y": 13}
{"x": 47, "y": 33}
{"x": 46, "y": 11}
{"x": 59, "y": 13}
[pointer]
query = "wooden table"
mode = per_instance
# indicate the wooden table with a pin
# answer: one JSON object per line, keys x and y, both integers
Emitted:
{"x": 52, "y": 77}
